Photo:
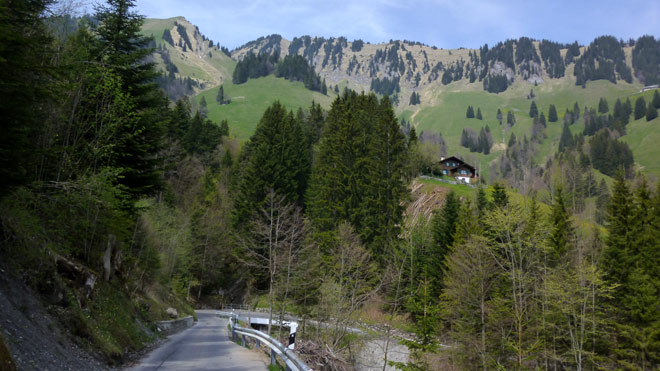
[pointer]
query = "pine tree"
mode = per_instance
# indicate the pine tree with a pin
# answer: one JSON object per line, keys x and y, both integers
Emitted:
{"x": 512, "y": 140}
{"x": 479, "y": 116}
{"x": 499, "y": 116}
{"x": 510, "y": 118}
{"x": 542, "y": 120}
{"x": 500, "y": 198}
{"x": 552, "y": 113}
{"x": 122, "y": 46}
{"x": 224, "y": 128}
{"x": 443, "y": 228}
{"x": 24, "y": 81}
{"x": 651, "y": 112}
{"x": 603, "y": 107}
{"x": 640, "y": 108}
{"x": 358, "y": 173}
{"x": 576, "y": 111}
{"x": 220, "y": 98}
{"x": 656, "y": 99}
{"x": 470, "y": 112}
{"x": 562, "y": 234}
{"x": 273, "y": 159}
{"x": 203, "y": 109}
{"x": 412, "y": 137}
{"x": 533, "y": 110}
{"x": 627, "y": 108}
{"x": 566, "y": 139}
{"x": 324, "y": 88}
{"x": 616, "y": 256}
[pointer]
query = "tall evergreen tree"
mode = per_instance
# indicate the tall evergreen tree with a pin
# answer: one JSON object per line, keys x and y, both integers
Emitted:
{"x": 510, "y": 118}
{"x": 500, "y": 198}
{"x": 24, "y": 82}
{"x": 470, "y": 112}
{"x": 273, "y": 159}
{"x": 443, "y": 227}
{"x": 479, "y": 116}
{"x": 640, "y": 108}
{"x": 562, "y": 233}
{"x": 656, "y": 99}
{"x": 533, "y": 110}
{"x": 123, "y": 48}
{"x": 552, "y": 113}
{"x": 603, "y": 107}
{"x": 358, "y": 173}
{"x": 566, "y": 139}
{"x": 651, "y": 112}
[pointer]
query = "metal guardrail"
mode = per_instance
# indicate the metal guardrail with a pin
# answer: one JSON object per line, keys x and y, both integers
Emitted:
{"x": 287, "y": 355}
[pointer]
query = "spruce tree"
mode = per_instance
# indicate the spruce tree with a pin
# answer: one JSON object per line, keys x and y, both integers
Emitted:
{"x": 275, "y": 158}
{"x": 562, "y": 233}
{"x": 616, "y": 257}
{"x": 500, "y": 198}
{"x": 651, "y": 112}
{"x": 552, "y": 113}
{"x": 470, "y": 112}
{"x": 203, "y": 109}
{"x": 542, "y": 120}
{"x": 510, "y": 118}
{"x": 122, "y": 47}
{"x": 24, "y": 87}
{"x": 566, "y": 138}
{"x": 358, "y": 173}
{"x": 640, "y": 108}
{"x": 220, "y": 98}
{"x": 479, "y": 116}
{"x": 576, "y": 111}
{"x": 603, "y": 107}
{"x": 533, "y": 110}
{"x": 412, "y": 137}
{"x": 443, "y": 229}
{"x": 656, "y": 99}
{"x": 499, "y": 116}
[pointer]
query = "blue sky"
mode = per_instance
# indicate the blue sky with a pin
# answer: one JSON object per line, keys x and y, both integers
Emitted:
{"x": 443, "y": 23}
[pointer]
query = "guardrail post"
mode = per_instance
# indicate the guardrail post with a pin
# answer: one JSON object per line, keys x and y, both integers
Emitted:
{"x": 258, "y": 344}
{"x": 243, "y": 339}
{"x": 272, "y": 357}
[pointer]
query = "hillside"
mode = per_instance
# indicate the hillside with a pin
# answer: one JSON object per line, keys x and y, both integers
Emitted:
{"x": 447, "y": 81}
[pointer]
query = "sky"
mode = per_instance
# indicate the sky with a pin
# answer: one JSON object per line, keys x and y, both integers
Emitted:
{"x": 446, "y": 24}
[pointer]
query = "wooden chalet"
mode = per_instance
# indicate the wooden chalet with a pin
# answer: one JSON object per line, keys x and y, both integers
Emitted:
{"x": 459, "y": 169}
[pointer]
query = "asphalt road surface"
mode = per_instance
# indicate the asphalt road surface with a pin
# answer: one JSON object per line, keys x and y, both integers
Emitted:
{"x": 204, "y": 346}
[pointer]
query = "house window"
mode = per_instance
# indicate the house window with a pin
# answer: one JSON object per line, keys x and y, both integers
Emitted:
{"x": 445, "y": 172}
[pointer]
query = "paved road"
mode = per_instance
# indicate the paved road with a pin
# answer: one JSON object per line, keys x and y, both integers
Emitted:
{"x": 205, "y": 346}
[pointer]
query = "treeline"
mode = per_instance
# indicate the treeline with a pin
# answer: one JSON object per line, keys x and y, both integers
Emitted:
{"x": 293, "y": 67}
{"x": 385, "y": 86}
{"x": 254, "y": 66}
{"x": 296, "y": 68}
{"x": 517, "y": 283}
{"x": 603, "y": 59}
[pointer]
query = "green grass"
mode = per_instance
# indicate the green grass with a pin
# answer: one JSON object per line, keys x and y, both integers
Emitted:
{"x": 447, "y": 114}
{"x": 250, "y": 100}
{"x": 643, "y": 137}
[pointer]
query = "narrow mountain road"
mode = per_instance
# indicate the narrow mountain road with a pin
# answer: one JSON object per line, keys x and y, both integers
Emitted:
{"x": 205, "y": 346}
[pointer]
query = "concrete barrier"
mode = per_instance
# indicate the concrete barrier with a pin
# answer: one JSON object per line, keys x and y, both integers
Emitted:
{"x": 175, "y": 325}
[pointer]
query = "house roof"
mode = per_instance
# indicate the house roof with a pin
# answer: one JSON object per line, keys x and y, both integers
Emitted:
{"x": 460, "y": 162}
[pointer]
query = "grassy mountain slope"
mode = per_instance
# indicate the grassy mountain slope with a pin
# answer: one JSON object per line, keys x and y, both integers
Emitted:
{"x": 203, "y": 63}
{"x": 250, "y": 100}
{"x": 442, "y": 107}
